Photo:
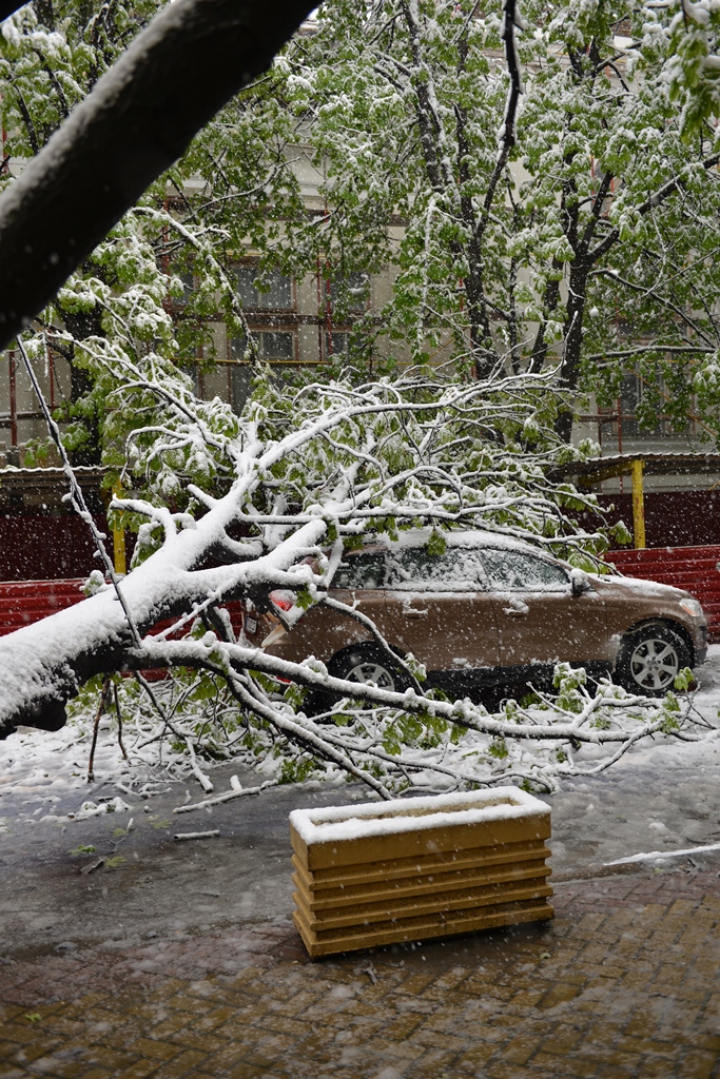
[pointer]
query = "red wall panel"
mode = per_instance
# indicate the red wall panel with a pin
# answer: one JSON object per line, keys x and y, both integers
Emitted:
{"x": 47, "y": 547}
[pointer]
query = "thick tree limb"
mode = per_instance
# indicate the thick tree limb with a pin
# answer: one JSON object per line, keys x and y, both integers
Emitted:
{"x": 139, "y": 119}
{"x": 7, "y": 7}
{"x": 507, "y": 136}
{"x": 44, "y": 664}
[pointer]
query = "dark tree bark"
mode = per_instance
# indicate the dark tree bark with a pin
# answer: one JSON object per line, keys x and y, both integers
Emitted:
{"x": 139, "y": 119}
{"x": 8, "y": 6}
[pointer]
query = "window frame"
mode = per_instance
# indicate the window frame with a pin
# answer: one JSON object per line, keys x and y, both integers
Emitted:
{"x": 252, "y": 265}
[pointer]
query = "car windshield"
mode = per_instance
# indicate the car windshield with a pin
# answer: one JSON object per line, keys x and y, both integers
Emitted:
{"x": 456, "y": 570}
{"x": 515, "y": 571}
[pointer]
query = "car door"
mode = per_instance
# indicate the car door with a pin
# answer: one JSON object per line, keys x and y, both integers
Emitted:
{"x": 443, "y": 613}
{"x": 541, "y": 620}
{"x": 359, "y": 583}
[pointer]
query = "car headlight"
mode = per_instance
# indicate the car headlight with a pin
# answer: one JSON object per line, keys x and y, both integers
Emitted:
{"x": 692, "y": 607}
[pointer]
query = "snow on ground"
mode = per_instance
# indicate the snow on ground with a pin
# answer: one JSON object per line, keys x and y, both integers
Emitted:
{"x": 43, "y": 777}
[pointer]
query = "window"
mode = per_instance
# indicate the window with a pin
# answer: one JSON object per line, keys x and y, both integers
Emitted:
{"x": 273, "y": 346}
{"x": 346, "y": 295}
{"x": 515, "y": 571}
{"x": 456, "y": 570}
{"x": 188, "y": 279}
{"x": 632, "y": 392}
{"x": 337, "y": 344}
{"x": 276, "y": 292}
{"x": 361, "y": 571}
{"x": 630, "y": 397}
{"x": 350, "y": 292}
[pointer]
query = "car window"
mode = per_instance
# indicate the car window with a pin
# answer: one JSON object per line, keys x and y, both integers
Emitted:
{"x": 515, "y": 571}
{"x": 415, "y": 570}
{"x": 361, "y": 571}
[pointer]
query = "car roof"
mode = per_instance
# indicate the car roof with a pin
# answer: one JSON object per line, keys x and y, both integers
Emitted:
{"x": 466, "y": 539}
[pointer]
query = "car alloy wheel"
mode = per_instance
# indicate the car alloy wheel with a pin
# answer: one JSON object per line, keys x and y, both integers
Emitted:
{"x": 369, "y": 666}
{"x": 650, "y": 660}
{"x": 372, "y": 674}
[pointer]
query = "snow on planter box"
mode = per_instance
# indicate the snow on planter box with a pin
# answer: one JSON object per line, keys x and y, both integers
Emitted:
{"x": 417, "y": 868}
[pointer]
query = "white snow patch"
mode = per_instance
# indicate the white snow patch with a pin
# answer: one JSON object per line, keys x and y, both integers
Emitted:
{"x": 656, "y": 855}
{"x": 413, "y": 814}
{"x": 90, "y": 809}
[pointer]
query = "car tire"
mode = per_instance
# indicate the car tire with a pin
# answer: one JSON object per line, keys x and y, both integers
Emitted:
{"x": 369, "y": 665}
{"x": 360, "y": 663}
{"x": 650, "y": 658}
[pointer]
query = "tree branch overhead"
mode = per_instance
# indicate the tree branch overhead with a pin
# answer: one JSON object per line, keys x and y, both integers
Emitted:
{"x": 140, "y": 118}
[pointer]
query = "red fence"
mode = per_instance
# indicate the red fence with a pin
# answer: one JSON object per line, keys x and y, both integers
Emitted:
{"x": 47, "y": 547}
{"x": 693, "y": 568}
{"x": 25, "y": 602}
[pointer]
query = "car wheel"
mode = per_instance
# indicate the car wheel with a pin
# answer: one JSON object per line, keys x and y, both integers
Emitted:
{"x": 650, "y": 659}
{"x": 364, "y": 663}
{"x": 371, "y": 667}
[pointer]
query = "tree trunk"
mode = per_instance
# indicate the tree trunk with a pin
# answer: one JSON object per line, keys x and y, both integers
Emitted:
{"x": 570, "y": 367}
{"x": 139, "y": 119}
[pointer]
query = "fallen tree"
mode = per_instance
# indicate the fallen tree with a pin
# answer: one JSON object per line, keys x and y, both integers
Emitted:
{"x": 364, "y": 458}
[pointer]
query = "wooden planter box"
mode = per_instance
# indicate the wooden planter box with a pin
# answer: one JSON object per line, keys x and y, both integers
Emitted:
{"x": 417, "y": 868}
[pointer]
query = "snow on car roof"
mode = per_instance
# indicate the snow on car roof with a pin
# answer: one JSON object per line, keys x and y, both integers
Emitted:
{"x": 418, "y": 537}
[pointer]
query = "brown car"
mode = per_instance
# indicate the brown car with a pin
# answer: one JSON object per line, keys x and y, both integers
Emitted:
{"x": 491, "y": 611}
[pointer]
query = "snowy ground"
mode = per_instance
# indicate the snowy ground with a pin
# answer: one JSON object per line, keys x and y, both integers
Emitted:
{"x": 43, "y": 776}
{"x": 662, "y": 797}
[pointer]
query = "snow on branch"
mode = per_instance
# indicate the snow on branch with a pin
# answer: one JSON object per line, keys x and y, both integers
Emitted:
{"x": 393, "y": 458}
{"x": 138, "y": 120}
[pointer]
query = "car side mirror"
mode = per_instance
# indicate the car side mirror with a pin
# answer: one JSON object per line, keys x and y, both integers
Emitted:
{"x": 579, "y": 582}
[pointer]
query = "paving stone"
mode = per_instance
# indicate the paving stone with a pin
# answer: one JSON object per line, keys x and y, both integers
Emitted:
{"x": 697, "y": 1065}
{"x": 249, "y": 1071}
{"x": 502, "y": 1069}
{"x": 525, "y": 998}
{"x": 559, "y": 993}
{"x": 155, "y": 1050}
{"x": 474, "y": 1060}
{"x": 624, "y": 1069}
{"x": 622, "y": 984}
{"x": 553, "y": 1064}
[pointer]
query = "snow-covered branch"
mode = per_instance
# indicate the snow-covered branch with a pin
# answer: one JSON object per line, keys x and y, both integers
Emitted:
{"x": 392, "y": 459}
{"x": 136, "y": 123}
{"x": 397, "y": 741}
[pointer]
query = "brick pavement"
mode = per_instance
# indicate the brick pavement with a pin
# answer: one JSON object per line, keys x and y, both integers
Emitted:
{"x": 621, "y": 983}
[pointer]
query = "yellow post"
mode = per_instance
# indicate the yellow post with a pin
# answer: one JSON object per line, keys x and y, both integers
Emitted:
{"x": 638, "y": 503}
{"x": 119, "y": 554}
